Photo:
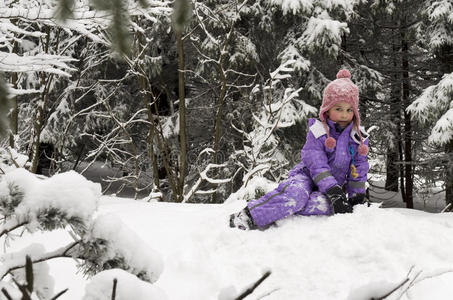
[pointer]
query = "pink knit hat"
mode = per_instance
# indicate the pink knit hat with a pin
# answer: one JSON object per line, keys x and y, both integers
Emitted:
{"x": 341, "y": 89}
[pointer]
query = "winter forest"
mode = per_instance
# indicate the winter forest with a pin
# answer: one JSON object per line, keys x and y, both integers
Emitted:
{"x": 131, "y": 129}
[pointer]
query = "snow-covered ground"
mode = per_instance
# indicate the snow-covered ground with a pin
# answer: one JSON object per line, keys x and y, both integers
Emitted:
{"x": 339, "y": 257}
{"x": 352, "y": 256}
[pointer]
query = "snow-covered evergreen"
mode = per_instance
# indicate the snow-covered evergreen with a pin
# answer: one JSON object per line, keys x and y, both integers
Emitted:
{"x": 435, "y": 106}
{"x": 66, "y": 201}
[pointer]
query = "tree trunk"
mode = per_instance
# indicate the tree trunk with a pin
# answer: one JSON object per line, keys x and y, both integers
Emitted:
{"x": 449, "y": 174}
{"x": 392, "y": 168}
{"x": 144, "y": 89}
{"x": 152, "y": 155}
{"x": 407, "y": 118}
{"x": 182, "y": 118}
{"x": 41, "y": 111}
{"x": 401, "y": 169}
{"x": 221, "y": 101}
{"x": 14, "y": 116}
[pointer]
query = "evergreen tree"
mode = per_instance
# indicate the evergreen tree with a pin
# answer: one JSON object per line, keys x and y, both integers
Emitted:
{"x": 434, "y": 106}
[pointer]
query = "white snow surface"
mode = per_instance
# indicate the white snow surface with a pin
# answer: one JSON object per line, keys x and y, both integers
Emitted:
{"x": 354, "y": 256}
{"x": 128, "y": 287}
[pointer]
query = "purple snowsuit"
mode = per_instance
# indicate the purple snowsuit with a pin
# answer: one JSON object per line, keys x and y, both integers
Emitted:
{"x": 320, "y": 169}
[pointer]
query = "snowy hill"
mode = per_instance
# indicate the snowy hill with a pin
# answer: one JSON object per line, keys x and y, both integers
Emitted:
{"x": 354, "y": 256}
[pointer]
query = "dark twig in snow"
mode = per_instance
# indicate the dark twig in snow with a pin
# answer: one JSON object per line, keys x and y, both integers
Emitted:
{"x": 254, "y": 286}
{"x": 392, "y": 291}
{"x": 115, "y": 282}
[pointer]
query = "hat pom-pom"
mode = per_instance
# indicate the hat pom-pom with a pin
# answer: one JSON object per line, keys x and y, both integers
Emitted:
{"x": 363, "y": 149}
{"x": 343, "y": 74}
{"x": 330, "y": 143}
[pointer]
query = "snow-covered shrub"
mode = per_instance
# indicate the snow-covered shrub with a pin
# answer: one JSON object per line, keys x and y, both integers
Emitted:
{"x": 46, "y": 204}
{"x": 67, "y": 201}
{"x": 110, "y": 244}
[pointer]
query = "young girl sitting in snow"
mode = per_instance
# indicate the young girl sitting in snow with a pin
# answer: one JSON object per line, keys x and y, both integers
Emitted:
{"x": 334, "y": 155}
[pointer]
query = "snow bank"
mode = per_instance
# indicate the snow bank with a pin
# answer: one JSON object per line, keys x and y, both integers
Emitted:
{"x": 339, "y": 257}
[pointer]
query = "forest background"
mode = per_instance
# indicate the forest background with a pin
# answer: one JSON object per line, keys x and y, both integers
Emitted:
{"x": 250, "y": 74}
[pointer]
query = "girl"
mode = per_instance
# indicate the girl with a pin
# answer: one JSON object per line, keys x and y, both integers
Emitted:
{"x": 334, "y": 156}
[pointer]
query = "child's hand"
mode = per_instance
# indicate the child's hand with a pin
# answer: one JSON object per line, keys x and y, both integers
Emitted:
{"x": 338, "y": 200}
{"x": 357, "y": 199}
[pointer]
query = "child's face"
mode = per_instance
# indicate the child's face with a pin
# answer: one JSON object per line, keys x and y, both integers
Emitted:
{"x": 341, "y": 113}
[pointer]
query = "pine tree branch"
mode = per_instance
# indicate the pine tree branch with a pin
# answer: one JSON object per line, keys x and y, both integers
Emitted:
{"x": 11, "y": 225}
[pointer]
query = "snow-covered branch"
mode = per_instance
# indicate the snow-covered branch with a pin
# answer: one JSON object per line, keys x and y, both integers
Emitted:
{"x": 204, "y": 177}
{"x": 53, "y": 64}
{"x": 435, "y": 105}
{"x": 16, "y": 261}
{"x": 10, "y": 225}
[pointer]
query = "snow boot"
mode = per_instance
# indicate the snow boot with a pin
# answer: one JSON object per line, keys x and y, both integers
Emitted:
{"x": 242, "y": 220}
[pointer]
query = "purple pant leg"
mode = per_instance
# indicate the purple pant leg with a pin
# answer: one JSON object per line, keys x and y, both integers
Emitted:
{"x": 317, "y": 205}
{"x": 288, "y": 198}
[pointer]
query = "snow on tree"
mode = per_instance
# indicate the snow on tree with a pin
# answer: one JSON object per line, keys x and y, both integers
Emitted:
{"x": 323, "y": 33}
{"x": 293, "y": 6}
{"x": 440, "y": 20}
{"x": 435, "y": 106}
{"x": 110, "y": 237}
{"x": 58, "y": 114}
{"x": 67, "y": 201}
{"x": 282, "y": 108}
